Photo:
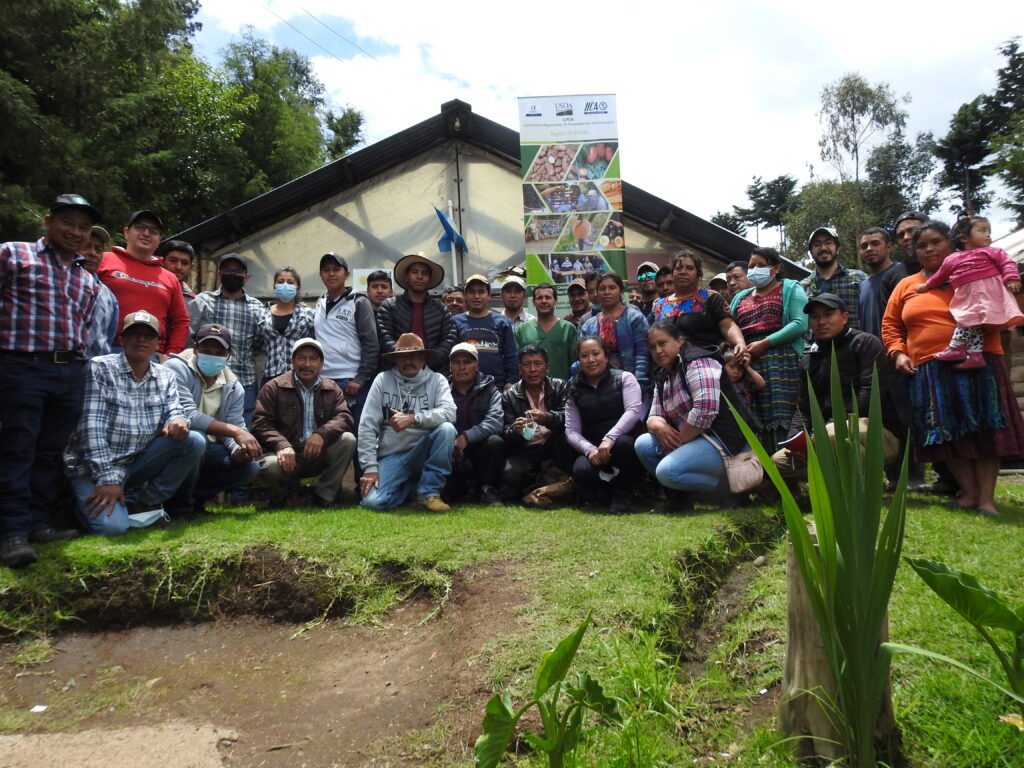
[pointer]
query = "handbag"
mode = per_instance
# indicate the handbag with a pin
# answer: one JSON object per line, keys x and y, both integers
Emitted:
{"x": 743, "y": 469}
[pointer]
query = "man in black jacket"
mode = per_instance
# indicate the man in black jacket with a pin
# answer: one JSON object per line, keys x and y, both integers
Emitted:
{"x": 534, "y": 415}
{"x": 857, "y": 354}
{"x": 415, "y": 312}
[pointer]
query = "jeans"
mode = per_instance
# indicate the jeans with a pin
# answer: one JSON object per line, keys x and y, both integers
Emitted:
{"x": 216, "y": 472}
{"x": 40, "y": 403}
{"x": 151, "y": 479}
{"x": 249, "y": 403}
{"x": 693, "y": 466}
{"x": 422, "y": 470}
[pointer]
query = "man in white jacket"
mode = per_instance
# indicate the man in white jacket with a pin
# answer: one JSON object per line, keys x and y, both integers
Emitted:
{"x": 407, "y": 431}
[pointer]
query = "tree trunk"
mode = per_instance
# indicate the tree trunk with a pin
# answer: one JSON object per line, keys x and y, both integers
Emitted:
{"x": 808, "y": 688}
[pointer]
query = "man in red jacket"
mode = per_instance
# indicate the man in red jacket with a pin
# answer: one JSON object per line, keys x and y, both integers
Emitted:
{"x": 139, "y": 281}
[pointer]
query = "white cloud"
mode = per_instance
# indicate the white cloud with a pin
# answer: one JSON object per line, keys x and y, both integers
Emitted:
{"x": 709, "y": 96}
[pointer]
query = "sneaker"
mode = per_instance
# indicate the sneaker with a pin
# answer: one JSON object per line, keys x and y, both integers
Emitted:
{"x": 971, "y": 361}
{"x": 433, "y": 504}
{"x": 622, "y": 502}
{"x": 490, "y": 497}
{"x": 952, "y": 354}
{"x": 16, "y": 552}
{"x": 47, "y": 535}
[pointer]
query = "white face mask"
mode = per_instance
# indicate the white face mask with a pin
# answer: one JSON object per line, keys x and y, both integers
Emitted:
{"x": 759, "y": 276}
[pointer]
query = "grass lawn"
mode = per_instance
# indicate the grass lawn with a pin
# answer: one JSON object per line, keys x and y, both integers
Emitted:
{"x": 646, "y": 577}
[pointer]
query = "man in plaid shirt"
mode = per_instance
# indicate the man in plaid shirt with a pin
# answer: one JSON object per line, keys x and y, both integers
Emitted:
{"x": 47, "y": 301}
{"x": 132, "y": 448}
{"x": 829, "y": 276}
{"x": 231, "y": 306}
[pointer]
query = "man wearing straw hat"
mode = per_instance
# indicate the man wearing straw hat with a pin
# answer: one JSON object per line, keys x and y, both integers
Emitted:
{"x": 415, "y": 312}
{"x": 407, "y": 431}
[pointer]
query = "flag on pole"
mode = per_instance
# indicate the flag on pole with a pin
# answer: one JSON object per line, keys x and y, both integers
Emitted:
{"x": 451, "y": 235}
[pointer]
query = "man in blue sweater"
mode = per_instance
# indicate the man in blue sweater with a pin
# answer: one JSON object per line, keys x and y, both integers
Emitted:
{"x": 490, "y": 332}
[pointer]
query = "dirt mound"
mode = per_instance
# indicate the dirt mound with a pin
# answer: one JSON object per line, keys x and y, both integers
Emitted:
{"x": 410, "y": 691}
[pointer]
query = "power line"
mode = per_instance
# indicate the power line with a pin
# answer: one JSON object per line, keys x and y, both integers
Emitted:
{"x": 299, "y": 31}
{"x": 336, "y": 34}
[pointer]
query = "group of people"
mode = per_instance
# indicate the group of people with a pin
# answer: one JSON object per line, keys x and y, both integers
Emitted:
{"x": 139, "y": 396}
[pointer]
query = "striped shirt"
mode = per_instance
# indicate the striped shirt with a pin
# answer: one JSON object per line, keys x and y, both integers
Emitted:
{"x": 308, "y": 406}
{"x": 121, "y": 416}
{"x": 45, "y": 304}
{"x": 696, "y": 402}
{"x": 242, "y": 316}
{"x": 844, "y": 283}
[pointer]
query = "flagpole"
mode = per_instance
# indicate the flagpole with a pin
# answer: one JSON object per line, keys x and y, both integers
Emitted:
{"x": 455, "y": 265}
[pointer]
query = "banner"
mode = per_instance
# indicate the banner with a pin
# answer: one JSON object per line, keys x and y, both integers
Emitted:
{"x": 572, "y": 189}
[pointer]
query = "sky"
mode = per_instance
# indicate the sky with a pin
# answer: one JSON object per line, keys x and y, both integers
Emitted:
{"x": 709, "y": 95}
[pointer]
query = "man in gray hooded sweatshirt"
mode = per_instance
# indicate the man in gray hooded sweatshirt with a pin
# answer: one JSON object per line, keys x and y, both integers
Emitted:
{"x": 407, "y": 431}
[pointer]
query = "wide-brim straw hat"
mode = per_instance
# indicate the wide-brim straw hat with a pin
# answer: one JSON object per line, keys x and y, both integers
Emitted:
{"x": 409, "y": 344}
{"x": 402, "y": 267}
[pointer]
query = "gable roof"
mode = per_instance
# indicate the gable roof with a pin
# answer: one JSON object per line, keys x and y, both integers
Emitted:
{"x": 456, "y": 121}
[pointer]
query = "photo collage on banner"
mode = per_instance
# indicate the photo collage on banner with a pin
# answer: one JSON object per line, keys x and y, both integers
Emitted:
{"x": 572, "y": 189}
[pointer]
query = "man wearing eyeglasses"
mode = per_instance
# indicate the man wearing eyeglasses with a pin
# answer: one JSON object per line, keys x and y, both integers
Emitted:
{"x": 139, "y": 282}
{"x": 829, "y": 275}
{"x": 646, "y": 274}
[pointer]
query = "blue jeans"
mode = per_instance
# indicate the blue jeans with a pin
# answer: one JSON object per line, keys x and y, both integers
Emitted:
{"x": 400, "y": 474}
{"x": 693, "y": 466}
{"x": 249, "y": 403}
{"x": 216, "y": 472}
{"x": 40, "y": 402}
{"x": 151, "y": 479}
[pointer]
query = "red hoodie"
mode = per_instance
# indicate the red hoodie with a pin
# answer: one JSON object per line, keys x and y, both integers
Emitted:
{"x": 147, "y": 285}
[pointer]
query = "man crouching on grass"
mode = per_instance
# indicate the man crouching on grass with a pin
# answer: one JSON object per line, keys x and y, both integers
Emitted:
{"x": 407, "y": 431}
{"x": 132, "y": 448}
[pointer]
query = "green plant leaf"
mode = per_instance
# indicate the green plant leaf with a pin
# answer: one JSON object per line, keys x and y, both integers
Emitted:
{"x": 962, "y": 592}
{"x": 538, "y": 742}
{"x": 590, "y": 692}
{"x": 554, "y": 664}
{"x": 892, "y": 648}
{"x": 499, "y": 723}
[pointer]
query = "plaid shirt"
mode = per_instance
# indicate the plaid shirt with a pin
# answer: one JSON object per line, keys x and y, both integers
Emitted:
{"x": 45, "y": 305}
{"x": 308, "y": 406}
{"x": 104, "y": 326}
{"x": 121, "y": 416}
{"x": 242, "y": 316}
{"x": 278, "y": 346}
{"x": 844, "y": 283}
{"x": 675, "y": 402}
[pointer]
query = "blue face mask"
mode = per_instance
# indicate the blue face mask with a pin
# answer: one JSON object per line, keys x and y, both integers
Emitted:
{"x": 759, "y": 276}
{"x": 210, "y": 365}
{"x": 285, "y": 291}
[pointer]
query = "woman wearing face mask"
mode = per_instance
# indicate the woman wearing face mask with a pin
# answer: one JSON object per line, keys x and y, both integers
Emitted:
{"x": 288, "y": 321}
{"x": 771, "y": 316}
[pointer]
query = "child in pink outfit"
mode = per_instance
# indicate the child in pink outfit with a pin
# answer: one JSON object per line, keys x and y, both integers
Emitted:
{"x": 982, "y": 278}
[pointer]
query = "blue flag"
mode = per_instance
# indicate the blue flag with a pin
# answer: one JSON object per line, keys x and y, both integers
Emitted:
{"x": 451, "y": 235}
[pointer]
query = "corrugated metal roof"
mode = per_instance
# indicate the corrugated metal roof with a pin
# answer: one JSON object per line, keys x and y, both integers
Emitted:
{"x": 456, "y": 121}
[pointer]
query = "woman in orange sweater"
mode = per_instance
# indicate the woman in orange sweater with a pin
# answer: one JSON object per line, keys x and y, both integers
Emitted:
{"x": 967, "y": 418}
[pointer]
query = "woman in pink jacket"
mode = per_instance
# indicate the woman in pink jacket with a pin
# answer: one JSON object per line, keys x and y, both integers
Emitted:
{"x": 979, "y": 276}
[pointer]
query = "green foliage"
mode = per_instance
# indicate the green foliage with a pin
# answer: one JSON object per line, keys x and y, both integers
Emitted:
{"x": 731, "y": 221}
{"x": 897, "y": 178}
{"x": 963, "y": 152}
{"x": 852, "y": 113}
{"x": 984, "y": 610}
{"x": 770, "y": 201}
{"x": 835, "y": 203}
{"x": 849, "y": 577}
{"x": 563, "y": 722}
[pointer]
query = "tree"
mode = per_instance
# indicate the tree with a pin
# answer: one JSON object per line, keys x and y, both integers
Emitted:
{"x": 898, "y": 177}
{"x": 770, "y": 201}
{"x": 1006, "y": 111}
{"x": 731, "y": 221}
{"x": 346, "y": 131}
{"x": 964, "y": 152}
{"x": 826, "y": 203}
{"x": 853, "y": 112}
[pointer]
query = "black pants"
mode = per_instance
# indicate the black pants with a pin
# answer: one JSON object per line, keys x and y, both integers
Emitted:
{"x": 624, "y": 459}
{"x": 522, "y": 467}
{"x": 480, "y": 465}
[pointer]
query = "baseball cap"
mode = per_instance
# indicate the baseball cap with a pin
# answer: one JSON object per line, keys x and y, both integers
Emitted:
{"x": 828, "y": 230}
{"x": 232, "y": 256}
{"x": 913, "y": 215}
{"x": 469, "y": 349}
{"x": 478, "y": 279}
{"x": 579, "y": 282}
{"x": 645, "y": 267}
{"x": 214, "y": 331}
{"x": 334, "y": 258}
{"x": 101, "y": 233}
{"x": 720, "y": 276}
{"x": 308, "y": 342}
{"x": 78, "y": 203}
{"x": 514, "y": 280}
{"x": 141, "y": 317}
{"x": 829, "y": 300}
{"x": 146, "y": 215}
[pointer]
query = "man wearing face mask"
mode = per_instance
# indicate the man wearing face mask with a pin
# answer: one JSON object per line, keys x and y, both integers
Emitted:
{"x": 829, "y": 276}
{"x": 212, "y": 399}
{"x": 242, "y": 314}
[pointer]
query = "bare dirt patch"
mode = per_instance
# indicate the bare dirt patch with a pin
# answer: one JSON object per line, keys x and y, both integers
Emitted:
{"x": 407, "y": 692}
